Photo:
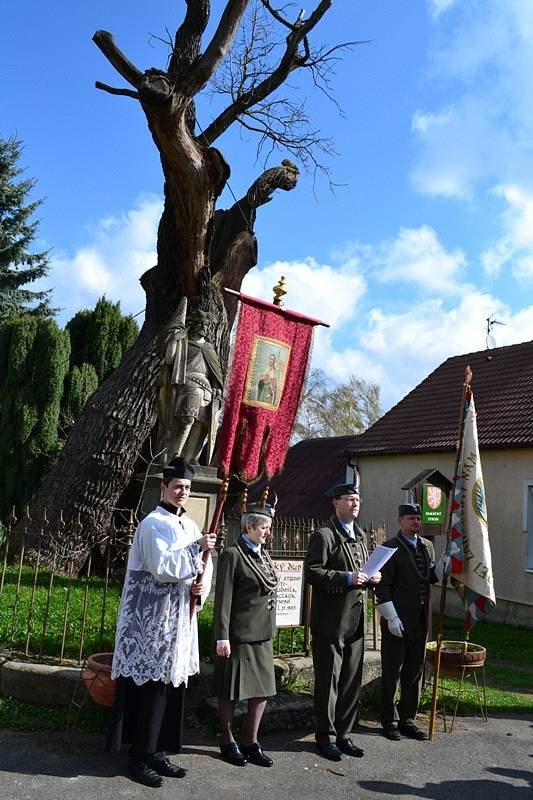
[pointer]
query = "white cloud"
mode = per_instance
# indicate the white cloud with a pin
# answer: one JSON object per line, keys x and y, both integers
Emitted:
{"x": 319, "y": 290}
{"x": 417, "y": 256}
{"x": 461, "y": 146}
{"x": 438, "y": 7}
{"x": 411, "y": 343}
{"x": 91, "y": 272}
{"x": 394, "y": 348}
{"x": 515, "y": 246}
{"x": 331, "y": 294}
{"x": 483, "y": 60}
{"x": 399, "y": 348}
{"x": 120, "y": 249}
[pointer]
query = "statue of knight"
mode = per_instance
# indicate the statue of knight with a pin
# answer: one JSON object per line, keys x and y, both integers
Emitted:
{"x": 190, "y": 396}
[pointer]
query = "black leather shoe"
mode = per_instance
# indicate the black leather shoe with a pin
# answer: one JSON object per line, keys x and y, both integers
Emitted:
{"x": 255, "y": 755}
{"x": 329, "y": 750}
{"x": 391, "y": 732}
{"x": 141, "y": 772}
{"x": 231, "y": 753}
{"x": 412, "y": 732}
{"x": 347, "y": 747}
{"x": 162, "y": 765}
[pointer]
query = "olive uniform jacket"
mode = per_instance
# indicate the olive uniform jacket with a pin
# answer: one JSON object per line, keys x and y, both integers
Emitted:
{"x": 245, "y": 595}
{"x": 400, "y": 580}
{"x": 336, "y": 607}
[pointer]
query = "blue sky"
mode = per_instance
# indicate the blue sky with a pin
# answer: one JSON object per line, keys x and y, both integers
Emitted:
{"x": 429, "y": 232}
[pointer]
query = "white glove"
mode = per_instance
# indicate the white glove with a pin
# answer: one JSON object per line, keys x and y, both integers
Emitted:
{"x": 441, "y": 566}
{"x": 394, "y": 622}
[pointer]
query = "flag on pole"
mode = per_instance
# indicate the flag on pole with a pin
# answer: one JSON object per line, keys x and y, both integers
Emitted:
{"x": 268, "y": 370}
{"x": 469, "y": 559}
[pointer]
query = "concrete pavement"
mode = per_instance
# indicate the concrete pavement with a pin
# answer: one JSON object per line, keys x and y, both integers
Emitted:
{"x": 477, "y": 761}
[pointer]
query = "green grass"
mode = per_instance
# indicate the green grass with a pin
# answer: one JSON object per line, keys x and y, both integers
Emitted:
{"x": 205, "y": 632}
{"x": 499, "y": 701}
{"x": 508, "y": 678}
{"x": 14, "y": 626}
{"x": 29, "y": 717}
{"x": 503, "y": 642}
{"x": 509, "y": 683}
{"x": 69, "y": 597}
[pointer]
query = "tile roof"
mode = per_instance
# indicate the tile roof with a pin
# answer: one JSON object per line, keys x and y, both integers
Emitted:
{"x": 428, "y": 417}
{"x": 311, "y": 468}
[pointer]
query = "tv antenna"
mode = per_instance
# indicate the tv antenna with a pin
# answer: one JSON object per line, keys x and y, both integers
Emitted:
{"x": 490, "y": 341}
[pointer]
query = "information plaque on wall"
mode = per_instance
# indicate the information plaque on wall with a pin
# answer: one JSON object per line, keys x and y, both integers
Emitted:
{"x": 289, "y": 609}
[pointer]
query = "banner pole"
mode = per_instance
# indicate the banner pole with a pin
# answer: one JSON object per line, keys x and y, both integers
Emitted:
{"x": 444, "y": 586}
{"x": 213, "y": 528}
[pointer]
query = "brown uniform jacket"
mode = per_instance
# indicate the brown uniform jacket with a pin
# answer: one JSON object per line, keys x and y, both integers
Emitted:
{"x": 245, "y": 603}
{"x": 336, "y": 607}
{"x": 400, "y": 583}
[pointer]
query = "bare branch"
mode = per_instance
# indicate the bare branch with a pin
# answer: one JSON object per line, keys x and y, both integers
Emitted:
{"x": 186, "y": 46}
{"x": 111, "y": 90}
{"x": 290, "y": 60}
{"x": 105, "y": 42}
{"x": 279, "y": 16}
{"x": 305, "y": 145}
{"x": 203, "y": 68}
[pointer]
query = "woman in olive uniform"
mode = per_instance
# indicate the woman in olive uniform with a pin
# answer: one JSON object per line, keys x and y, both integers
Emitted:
{"x": 244, "y": 624}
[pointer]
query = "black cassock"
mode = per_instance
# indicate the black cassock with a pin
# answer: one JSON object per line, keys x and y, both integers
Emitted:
{"x": 148, "y": 717}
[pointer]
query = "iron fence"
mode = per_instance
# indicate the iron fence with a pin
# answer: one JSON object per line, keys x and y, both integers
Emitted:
{"x": 60, "y": 589}
{"x": 289, "y": 539}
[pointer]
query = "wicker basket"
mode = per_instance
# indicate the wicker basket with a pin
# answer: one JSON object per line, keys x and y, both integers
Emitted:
{"x": 457, "y": 658}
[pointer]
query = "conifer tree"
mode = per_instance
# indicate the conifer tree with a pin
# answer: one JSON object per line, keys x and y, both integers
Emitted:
{"x": 101, "y": 337}
{"x": 19, "y": 266}
{"x": 34, "y": 359}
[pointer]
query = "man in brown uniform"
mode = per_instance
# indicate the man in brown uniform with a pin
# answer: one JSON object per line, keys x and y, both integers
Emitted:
{"x": 403, "y": 597}
{"x": 335, "y": 555}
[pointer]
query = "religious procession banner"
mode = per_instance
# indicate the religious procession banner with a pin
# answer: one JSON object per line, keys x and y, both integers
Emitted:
{"x": 268, "y": 371}
{"x": 469, "y": 562}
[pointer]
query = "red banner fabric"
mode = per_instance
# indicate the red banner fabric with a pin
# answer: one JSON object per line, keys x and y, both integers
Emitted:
{"x": 269, "y": 365}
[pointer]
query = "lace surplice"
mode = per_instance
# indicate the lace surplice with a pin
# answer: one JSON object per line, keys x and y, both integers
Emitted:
{"x": 155, "y": 639}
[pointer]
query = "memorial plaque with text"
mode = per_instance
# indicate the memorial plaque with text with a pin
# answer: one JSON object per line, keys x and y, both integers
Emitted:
{"x": 289, "y": 609}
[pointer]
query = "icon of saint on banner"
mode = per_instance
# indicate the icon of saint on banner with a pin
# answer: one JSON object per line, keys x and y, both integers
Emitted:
{"x": 265, "y": 376}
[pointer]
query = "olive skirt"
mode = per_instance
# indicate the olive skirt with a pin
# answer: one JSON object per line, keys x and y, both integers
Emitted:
{"x": 248, "y": 672}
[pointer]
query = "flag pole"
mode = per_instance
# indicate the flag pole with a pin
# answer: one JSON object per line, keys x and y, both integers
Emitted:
{"x": 213, "y": 528}
{"x": 444, "y": 586}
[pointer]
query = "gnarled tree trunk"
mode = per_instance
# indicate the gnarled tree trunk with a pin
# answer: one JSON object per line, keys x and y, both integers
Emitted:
{"x": 199, "y": 251}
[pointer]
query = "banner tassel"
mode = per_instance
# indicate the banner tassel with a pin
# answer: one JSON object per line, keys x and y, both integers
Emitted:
{"x": 264, "y": 496}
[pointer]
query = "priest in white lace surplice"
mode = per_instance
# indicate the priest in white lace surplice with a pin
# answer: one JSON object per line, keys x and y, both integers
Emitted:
{"x": 156, "y": 645}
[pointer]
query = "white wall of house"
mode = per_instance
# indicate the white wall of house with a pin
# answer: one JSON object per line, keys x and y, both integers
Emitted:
{"x": 508, "y": 477}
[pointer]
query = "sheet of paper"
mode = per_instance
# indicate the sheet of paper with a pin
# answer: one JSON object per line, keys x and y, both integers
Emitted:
{"x": 377, "y": 559}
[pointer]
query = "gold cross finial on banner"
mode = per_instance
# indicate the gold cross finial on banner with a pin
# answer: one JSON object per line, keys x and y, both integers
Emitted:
{"x": 279, "y": 291}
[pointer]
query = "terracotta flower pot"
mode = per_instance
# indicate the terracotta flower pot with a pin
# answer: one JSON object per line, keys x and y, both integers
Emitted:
{"x": 457, "y": 656}
{"x": 96, "y": 677}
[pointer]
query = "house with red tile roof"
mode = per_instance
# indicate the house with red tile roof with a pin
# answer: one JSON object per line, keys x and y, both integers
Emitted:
{"x": 312, "y": 467}
{"x": 421, "y": 431}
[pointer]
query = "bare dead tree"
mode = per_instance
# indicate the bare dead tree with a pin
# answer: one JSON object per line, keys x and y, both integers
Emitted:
{"x": 199, "y": 249}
